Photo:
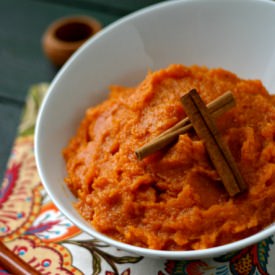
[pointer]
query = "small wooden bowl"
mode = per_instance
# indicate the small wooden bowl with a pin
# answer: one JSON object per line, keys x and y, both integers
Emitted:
{"x": 64, "y": 36}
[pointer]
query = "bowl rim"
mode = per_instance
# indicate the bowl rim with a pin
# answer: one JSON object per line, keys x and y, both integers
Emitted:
{"x": 152, "y": 253}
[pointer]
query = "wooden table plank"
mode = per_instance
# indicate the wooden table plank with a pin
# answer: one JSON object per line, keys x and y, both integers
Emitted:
{"x": 22, "y": 59}
{"x": 10, "y": 113}
{"x": 126, "y": 5}
{"x": 118, "y": 7}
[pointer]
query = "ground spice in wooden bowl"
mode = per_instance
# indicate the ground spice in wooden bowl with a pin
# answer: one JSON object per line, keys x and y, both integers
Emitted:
{"x": 173, "y": 199}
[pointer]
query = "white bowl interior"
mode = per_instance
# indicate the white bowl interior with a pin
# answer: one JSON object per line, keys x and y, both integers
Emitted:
{"x": 235, "y": 35}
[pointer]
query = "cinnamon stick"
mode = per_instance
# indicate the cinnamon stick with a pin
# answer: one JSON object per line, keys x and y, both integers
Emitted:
{"x": 218, "y": 152}
{"x": 216, "y": 108}
{"x": 13, "y": 263}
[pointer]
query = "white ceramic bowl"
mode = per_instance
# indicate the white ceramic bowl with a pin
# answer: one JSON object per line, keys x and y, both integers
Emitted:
{"x": 236, "y": 35}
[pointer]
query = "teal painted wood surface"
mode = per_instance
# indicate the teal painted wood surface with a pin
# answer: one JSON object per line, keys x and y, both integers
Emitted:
{"x": 22, "y": 62}
{"x": 10, "y": 113}
{"x": 118, "y": 7}
{"x": 21, "y": 53}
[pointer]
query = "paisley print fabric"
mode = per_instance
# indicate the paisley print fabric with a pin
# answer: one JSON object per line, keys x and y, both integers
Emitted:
{"x": 33, "y": 228}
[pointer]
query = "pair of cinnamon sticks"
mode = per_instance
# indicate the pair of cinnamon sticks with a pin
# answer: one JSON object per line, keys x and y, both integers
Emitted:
{"x": 200, "y": 117}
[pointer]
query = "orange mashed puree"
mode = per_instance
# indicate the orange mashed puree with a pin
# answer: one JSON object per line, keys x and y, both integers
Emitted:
{"x": 174, "y": 199}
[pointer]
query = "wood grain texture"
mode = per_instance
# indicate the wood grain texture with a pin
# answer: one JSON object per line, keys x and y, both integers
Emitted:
{"x": 10, "y": 113}
{"x": 118, "y": 7}
{"x": 13, "y": 263}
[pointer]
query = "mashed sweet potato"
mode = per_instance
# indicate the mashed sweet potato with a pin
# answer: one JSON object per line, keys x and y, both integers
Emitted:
{"x": 174, "y": 199}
